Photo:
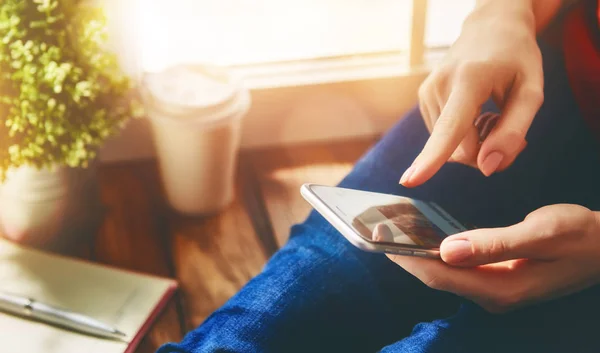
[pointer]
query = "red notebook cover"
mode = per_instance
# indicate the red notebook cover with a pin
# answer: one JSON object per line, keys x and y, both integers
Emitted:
{"x": 135, "y": 342}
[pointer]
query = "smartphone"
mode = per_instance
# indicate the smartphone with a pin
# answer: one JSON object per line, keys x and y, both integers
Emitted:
{"x": 383, "y": 223}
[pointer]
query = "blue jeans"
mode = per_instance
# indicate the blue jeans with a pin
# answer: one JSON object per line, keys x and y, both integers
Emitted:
{"x": 321, "y": 294}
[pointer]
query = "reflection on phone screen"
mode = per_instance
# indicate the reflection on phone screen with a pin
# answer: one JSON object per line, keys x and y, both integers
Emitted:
{"x": 398, "y": 223}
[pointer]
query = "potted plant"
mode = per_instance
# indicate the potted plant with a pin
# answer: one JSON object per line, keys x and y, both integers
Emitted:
{"x": 62, "y": 94}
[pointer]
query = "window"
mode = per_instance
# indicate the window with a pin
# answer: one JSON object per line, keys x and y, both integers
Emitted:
{"x": 248, "y": 32}
{"x": 318, "y": 69}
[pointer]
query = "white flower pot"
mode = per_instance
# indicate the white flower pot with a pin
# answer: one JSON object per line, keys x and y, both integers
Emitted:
{"x": 44, "y": 208}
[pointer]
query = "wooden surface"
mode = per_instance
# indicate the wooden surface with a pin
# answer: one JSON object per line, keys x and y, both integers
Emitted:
{"x": 212, "y": 257}
{"x": 134, "y": 236}
{"x": 281, "y": 172}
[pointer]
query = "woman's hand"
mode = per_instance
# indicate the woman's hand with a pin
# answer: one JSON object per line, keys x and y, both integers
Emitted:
{"x": 554, "y": 252}
{"x": 495, "y": 56}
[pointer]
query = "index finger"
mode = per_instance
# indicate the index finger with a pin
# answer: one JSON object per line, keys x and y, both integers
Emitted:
{"x": 449, "y": 130}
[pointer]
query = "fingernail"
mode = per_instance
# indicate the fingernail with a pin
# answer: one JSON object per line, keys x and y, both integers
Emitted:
{"x": 457, "y": 250}
{"x": 491, "y": 163}
{"x": 407, "y": 174}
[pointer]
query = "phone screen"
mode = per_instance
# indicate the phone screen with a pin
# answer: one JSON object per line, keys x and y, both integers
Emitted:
{"x": 382, "y": 218}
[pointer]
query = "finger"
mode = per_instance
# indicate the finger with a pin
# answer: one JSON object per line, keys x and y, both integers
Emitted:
{"x": 498, "y": 287}
{"x": 499, "y": 95}
{"x": 434, "y": 274}
{"x": 383, "y": 233}
{"x": 450, "y": 129}
{"x": 426, "y": 104}
{"x": 423, "y": 108}
{"x": 492, "y": 245}
{"x": 485, "y": 123}
{"x": 506, "y": 140}
{"x": 504, "y": 167}
{"x": 440, "y": 99}
{"x": 466, "y": 152}
{"x": 555, "y": 279}
{"x": 480, "y": 284}
{"x": 514, "y": 284}
{"x": 434, "y": 110}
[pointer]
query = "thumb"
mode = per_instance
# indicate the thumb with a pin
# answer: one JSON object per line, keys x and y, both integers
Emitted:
{"x": 507, "y": 139}
{"x": 485, "y": 246}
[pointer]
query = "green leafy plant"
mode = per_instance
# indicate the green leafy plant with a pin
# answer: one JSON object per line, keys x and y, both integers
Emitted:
{"x": 61, "y": 92}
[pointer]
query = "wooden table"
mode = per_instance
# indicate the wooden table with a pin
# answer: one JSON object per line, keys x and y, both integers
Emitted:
{"x": 211, "y": 257}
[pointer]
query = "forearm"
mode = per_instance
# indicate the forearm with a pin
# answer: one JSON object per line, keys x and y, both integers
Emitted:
{"x": 543, "y": 11}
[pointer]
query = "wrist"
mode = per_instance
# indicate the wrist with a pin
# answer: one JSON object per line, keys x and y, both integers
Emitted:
{"x": 503, "y": 11}
{"x": 498, "y": 5}
{"x": 539, "y": 12}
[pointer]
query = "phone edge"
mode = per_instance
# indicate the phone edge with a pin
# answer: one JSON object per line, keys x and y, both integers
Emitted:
{"x": 356, "y": 240}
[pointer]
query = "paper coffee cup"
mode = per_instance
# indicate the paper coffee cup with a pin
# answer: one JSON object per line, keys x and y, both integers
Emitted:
{"x": 196, "y": 113}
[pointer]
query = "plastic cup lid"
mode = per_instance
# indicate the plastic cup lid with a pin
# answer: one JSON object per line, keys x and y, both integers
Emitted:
{"x": 191, "y": 90}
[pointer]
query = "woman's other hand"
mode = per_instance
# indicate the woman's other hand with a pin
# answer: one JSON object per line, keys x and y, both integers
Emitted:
{"x": 554, "y": 252}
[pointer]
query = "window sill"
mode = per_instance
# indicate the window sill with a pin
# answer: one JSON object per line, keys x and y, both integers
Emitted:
{"x": 333, "y": 70}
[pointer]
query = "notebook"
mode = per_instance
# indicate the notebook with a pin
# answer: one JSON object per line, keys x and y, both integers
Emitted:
{"x": 128, "y": 301}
